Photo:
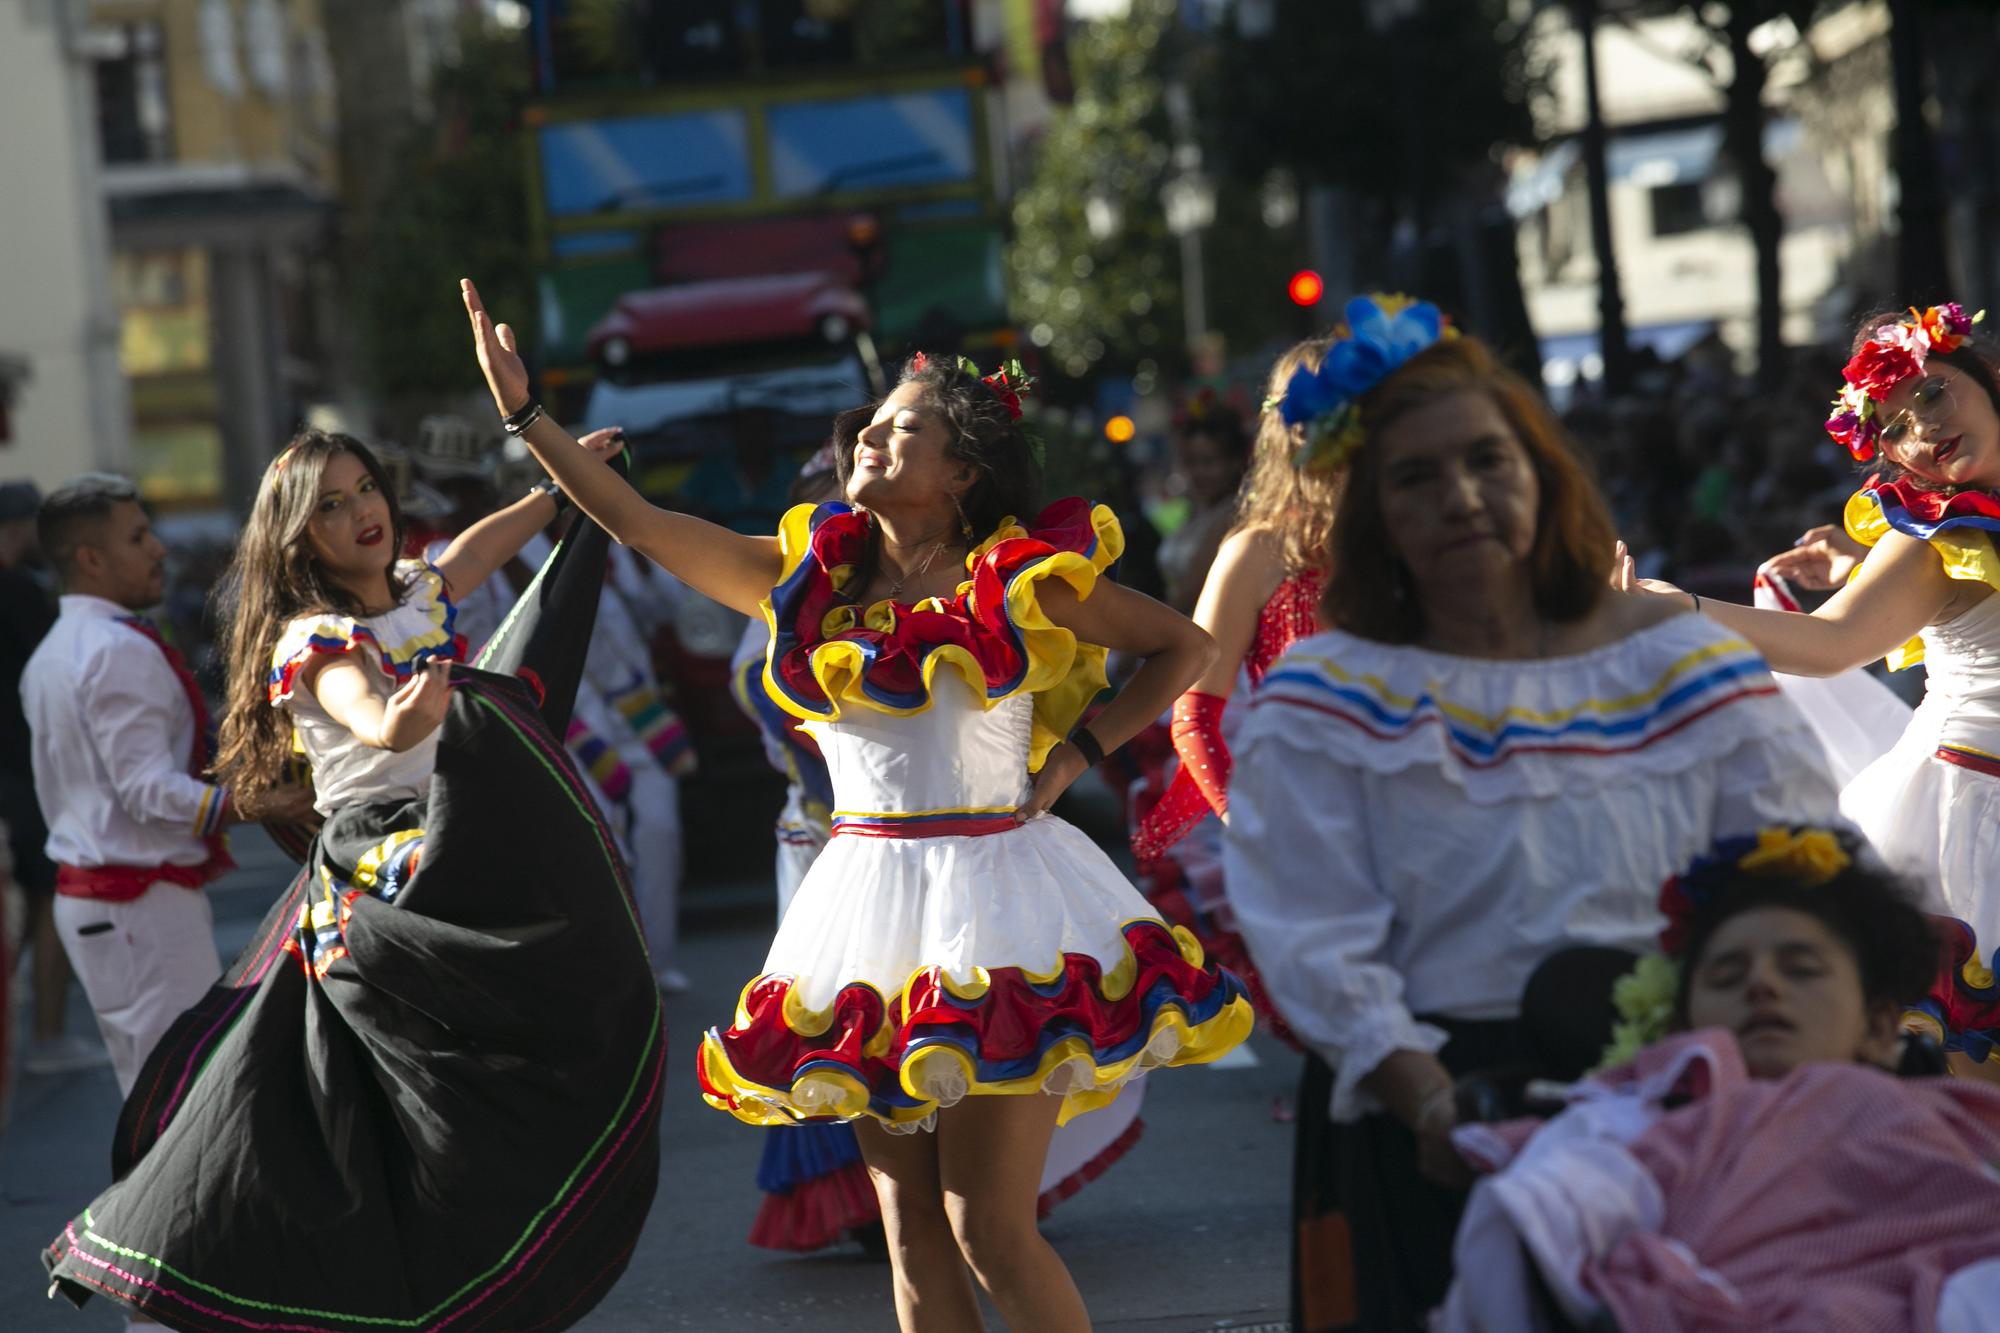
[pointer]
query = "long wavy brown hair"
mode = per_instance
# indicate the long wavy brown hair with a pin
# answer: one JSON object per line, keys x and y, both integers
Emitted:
{"x": 1370, "y": 593}
{"x": 1277, "y": 494}
{"x": 274, "y": 579}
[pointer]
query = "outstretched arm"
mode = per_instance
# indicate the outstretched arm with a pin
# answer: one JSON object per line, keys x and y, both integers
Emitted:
{"x": 736, "y": 570}
{"x": 474, "y": 554}
{"x": 1900, "y": 588}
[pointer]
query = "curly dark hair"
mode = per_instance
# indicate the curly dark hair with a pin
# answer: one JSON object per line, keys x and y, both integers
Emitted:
{"x": 1007, "y": 478}
{"x": 1895, "y": 945}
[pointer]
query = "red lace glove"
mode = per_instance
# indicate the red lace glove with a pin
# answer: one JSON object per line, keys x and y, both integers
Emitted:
{"x": 1202, "y": 783}
{"x": 1197, "y": 733}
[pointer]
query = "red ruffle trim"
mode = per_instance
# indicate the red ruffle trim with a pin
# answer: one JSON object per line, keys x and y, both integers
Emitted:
{"x": 975, "y": 620}
{"x": 1930, "y": 506}
{"x": 815, "y": 1213}
{"x": 1004, "y": 1034}
{"x": 1165, "y": 887}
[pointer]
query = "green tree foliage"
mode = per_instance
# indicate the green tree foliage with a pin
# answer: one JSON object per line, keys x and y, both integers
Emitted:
{"x": 1082, "y": 297}
{"x": 457, "y": 207}
{"x": 1112, "y": 298}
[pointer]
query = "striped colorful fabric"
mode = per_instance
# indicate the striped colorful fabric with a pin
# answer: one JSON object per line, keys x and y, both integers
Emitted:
{"x": 1691, "y": 687}
{"x": 600, "y": 759}
{"x": 923, "y": 823}
{"x": 1964, "y": 756}
{"x": 660, "y": 727}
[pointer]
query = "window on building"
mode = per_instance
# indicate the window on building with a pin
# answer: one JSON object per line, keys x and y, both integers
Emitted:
{"x": 133, "y": 121}
{"x": 1678, "y": 209}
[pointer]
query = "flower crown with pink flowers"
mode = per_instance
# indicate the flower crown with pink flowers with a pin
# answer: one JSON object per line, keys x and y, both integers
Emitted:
{"x": 1893, "y": 353}
{"x": 1008, "y": 381}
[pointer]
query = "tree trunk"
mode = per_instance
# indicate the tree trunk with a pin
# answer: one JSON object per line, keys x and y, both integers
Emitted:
{"x": 1743, "y": 137}
{"x": 1922, "y": 269}
{"x": 1613, "y": 343}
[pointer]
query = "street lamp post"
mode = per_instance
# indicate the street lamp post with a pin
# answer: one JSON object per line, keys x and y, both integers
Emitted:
{"x": 1188, "y": 200}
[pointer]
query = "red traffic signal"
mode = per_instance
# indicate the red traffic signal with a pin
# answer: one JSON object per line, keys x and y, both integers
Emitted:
{"x": 1305, "y": 287}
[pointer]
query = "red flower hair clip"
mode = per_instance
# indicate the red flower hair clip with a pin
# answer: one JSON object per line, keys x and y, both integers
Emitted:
{"x": 1008, "y": 382}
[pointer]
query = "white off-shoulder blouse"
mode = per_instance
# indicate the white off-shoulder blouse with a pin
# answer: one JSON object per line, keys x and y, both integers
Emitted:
{"x": 1412, "y": 832}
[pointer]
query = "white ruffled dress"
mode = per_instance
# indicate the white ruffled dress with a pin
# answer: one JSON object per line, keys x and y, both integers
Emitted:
{"x": 937, "y": 949}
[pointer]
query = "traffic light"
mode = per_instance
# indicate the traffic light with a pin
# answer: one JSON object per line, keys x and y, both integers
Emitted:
{"x": 1305, "y": 288}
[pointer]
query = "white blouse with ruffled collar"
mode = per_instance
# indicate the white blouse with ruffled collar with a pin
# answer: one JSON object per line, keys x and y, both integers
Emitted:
{"x": 1412, "y": 832}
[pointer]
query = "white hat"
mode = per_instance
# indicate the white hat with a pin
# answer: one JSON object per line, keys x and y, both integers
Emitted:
{"x": 451, "y": 446}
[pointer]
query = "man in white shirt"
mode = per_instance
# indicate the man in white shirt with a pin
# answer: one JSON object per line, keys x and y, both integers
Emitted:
{"x": 135, "y": 829}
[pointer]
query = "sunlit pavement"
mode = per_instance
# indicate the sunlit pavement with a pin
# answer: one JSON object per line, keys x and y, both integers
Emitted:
{"x": 1187, "y": 1232}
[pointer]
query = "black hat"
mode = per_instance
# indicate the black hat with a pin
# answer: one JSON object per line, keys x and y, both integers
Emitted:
{"x": 19, "y": 500}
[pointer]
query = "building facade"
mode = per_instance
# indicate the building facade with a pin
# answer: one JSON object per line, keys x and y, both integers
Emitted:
{"x": 62, "y": 396}
{"x": 1686, "y": 265}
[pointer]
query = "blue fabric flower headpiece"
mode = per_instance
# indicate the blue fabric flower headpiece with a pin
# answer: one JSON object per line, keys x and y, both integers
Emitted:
{"x": 1378, "y": 333}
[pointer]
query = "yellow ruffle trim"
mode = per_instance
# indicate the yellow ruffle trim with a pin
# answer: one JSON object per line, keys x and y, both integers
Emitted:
{"x": 1967, "y": 554}
{"x": 837, "y": 1093}
{"x": 1062, "y": 674}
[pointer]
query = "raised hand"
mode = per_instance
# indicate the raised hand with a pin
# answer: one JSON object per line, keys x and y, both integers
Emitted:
{"x": 416, "y": 709}
{"x": 604, "y": 442}
{"x": 499, "y": 358}
{"x": 1625, "y": 578}
{"x": 1823, "y": 559}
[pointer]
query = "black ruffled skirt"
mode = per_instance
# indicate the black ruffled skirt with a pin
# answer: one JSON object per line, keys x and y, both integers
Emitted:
{"x": 427, "y": 1095}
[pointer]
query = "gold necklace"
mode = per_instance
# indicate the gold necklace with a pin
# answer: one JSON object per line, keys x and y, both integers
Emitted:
{"x": 896, "y": 585}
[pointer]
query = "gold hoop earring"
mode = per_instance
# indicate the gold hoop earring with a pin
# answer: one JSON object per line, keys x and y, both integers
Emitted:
{"x": 964, "y": 523}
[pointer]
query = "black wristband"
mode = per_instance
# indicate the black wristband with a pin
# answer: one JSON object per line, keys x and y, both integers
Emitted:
{"x": 1087, "y": 745}
{"x": 516, "y": 422}
{"x": 547, "y": 486}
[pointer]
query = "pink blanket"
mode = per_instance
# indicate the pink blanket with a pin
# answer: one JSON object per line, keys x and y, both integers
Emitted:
{"x": 1838, "y": 1200}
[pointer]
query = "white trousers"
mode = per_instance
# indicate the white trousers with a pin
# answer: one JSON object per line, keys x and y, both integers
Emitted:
{"x": 141, "y": 963}
{"x": 654, "y": 835}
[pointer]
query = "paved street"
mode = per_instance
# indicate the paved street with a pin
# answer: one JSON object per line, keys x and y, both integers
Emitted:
{"x": 1185, "y": 1233}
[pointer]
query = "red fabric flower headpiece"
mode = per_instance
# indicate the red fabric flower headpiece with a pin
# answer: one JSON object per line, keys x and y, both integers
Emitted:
{"x": 1008, "y": 382}
{"x": 1895, "y": 353}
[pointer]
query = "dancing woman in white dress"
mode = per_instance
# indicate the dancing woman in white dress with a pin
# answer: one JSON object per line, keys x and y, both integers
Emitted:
{"x": 955, "y": 943}
{"x": 1921, "y": 403}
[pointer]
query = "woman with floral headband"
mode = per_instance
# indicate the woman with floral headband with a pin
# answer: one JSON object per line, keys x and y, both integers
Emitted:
{"x": 956, "y": 951}
{"x": 1921, "y": 406}
{"x": 1485, "y": 760}
{"x": 1761, "y": 1168}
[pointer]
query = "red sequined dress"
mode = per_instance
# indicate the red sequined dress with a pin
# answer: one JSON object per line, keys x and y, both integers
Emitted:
{"x": 1182, "y": 875}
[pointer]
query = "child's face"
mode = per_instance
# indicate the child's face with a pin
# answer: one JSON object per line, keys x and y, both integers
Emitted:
{"x": 1790, "y": 991}
{"x": 349, "y": 531}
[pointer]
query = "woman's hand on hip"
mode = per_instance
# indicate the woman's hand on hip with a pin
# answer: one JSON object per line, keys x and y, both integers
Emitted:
{"x": 1063, "y": 766}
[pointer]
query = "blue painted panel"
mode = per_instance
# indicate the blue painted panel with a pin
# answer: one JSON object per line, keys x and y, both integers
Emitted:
{"x": 644, "y": 162}
{"x": 872, "y": 143}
